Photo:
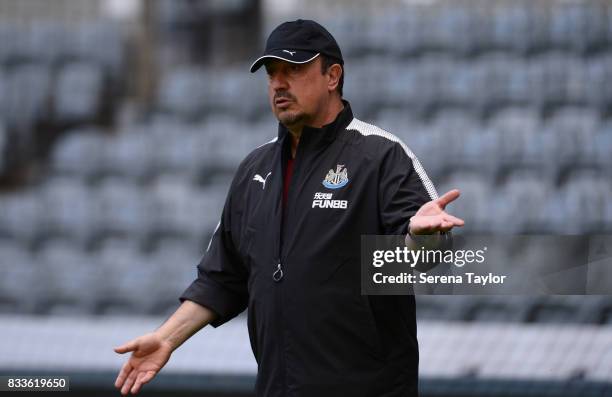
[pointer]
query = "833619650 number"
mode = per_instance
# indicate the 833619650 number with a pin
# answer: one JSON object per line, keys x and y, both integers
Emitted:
{"x": 34, "y": 383}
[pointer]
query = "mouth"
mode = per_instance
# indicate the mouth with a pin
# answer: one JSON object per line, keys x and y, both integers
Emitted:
{"x": 282, "y": 102}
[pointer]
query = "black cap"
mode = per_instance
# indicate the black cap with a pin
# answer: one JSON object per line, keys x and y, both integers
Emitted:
{"x": 299, "y": 41}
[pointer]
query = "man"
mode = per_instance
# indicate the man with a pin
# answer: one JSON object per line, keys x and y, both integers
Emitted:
{"x": 287, "y": 246}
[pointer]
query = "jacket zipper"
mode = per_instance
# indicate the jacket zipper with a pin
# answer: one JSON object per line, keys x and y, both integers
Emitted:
{"x": 279, "y": 271}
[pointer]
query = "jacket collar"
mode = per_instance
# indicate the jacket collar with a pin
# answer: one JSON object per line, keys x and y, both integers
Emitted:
{"x": 314, "y": 137}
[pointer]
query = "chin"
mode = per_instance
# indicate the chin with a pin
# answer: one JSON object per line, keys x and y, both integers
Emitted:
{"x": 289, "y": 118}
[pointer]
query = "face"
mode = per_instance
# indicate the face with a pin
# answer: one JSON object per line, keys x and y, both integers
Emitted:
{"x": 298, "y": 93}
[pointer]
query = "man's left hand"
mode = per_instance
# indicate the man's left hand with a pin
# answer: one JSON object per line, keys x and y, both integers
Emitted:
{"x": 432, "y": 218}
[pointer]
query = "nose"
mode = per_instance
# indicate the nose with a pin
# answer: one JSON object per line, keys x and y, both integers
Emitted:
{"x": 278, "y": 81}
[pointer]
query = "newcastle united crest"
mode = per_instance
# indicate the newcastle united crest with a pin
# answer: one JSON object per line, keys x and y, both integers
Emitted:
{"x": 336, "y": 179}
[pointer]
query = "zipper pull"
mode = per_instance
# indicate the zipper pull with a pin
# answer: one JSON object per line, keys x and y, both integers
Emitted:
{"x": 278, "y": 273}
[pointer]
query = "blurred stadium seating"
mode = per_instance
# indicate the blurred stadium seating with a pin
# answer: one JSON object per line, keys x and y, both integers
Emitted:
{"x": 509, "y": 101}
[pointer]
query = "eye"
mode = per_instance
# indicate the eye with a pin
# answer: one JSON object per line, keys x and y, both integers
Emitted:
{"x": 294, "y": 68}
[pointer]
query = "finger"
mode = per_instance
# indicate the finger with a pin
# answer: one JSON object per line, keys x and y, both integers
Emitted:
{"x": 129, "y": 382}
{"x": 442, "y": 225}
{"x": 142, "y": 379}
{"x": 456, "y": 221}
{"x": 149, "y": 375}
{"x": 127, "y": 347}
{"x": 425, "y": 226}
{"x": 448, "y": 197}
{"x": 431, "y": 226}
{"x": 138, "y": 383}
{"x": 125, "y": 371}
{"x": 445, "y": 226}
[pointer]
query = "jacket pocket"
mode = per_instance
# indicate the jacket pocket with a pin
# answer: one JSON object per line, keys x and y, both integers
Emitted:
{"x": 341, "y": 286}
{"x": 371, "y": 328}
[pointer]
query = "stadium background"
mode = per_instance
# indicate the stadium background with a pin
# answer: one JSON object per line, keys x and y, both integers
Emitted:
{"x": 121, "y": 123}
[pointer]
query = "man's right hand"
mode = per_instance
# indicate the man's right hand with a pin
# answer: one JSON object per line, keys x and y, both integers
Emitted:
{"x": 149, "y": 354}
{"x": 152, "y": 351}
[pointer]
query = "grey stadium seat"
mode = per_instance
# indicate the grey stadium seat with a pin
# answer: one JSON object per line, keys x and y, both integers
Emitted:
{"x": 129, "y": 153}
{"x": 176, "y": 260}
{"x": 575, "y": 129}
{"x": 4, "y": 145}
{"x": 462, "y": 83}
{"x": 21, "y": 214}
{"x": 607, "y": 219}
{"x": 71, "y": 279}
{"x": 361, "y": 80}
{"x": 376, "y": 34}
{"x": 129, "y": 279}
{"x": 8, "y": 41}
{"x": 18, "y": 278}
{"x": 450, "y": 127}
{"x": 493, "y": 70}
{"x": 123, "y": 208}
{"x": 183, "y": 92}
{"x": 406, "y": 32}
{"x": 397, "y": 121}
{"x": 578, "y": 26}
{"x": 512, "y": 215}
{"x": 480, "y": 149}
{"x": 603, "y": 147}
{"x": 520, "y": 139}
{"x": 236, "y": 92}
{"x": 181, "y": 209}
{"x": 174, "y": 206}
{"x": 577, "y": 87}
{"x": 42, "y": 41}
{"x": 510, "y": 28}
{"x": 78, "y": 92}
{"x": 474, "y": 205}
{"x": 3, "y": 88}
{"x": 519, "y": 82}
{"x": 550, "y": 78}
{"x": 452, "y": 28}
{"x": 564, "y": 309}
{"x": 70, "y": 209}
{"x": 508, "y": 308}
{"x": 180, "y": 148}
{"x": 350, "y": 28}
{"x": 79, "y": 153}
{"x": 584, "y": 200}
{"x": 99, "y": 41}
{"x": 28, "y": 89}
{"x": 443, "y": 307}
{"x": 433, "y": 71}
{"x": 428, "y": 144}
{"x": 232, "y": 141}
{"x": 513, "y": 119}
{"x": 599, "y": 73}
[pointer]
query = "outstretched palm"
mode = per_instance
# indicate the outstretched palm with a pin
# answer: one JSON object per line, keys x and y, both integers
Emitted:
{"x": 431, "y": 217}
{"x": 149, "y": 355}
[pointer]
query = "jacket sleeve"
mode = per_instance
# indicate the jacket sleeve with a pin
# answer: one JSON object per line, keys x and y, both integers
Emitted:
{"x": 404, "y": 188}
{"x": 221, "y": 283}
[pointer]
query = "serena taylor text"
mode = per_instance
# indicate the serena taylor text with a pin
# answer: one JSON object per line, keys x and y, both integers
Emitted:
{"x": 423, "y": 278}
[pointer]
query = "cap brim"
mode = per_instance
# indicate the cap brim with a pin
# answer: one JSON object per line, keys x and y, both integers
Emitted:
{"x": 284, "y": 55}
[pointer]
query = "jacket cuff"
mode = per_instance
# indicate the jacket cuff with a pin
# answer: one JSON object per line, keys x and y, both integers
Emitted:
{"x": 208, "y": 293}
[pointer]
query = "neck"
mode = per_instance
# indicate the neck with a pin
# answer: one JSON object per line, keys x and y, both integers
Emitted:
{"x": 328, "y": 115}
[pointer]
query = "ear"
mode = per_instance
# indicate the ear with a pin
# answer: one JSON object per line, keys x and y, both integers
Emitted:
{"x": 333, "y": 72}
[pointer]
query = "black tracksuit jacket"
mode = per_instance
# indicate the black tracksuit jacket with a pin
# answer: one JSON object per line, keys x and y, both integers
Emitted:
{"x": 311, "y": 331}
